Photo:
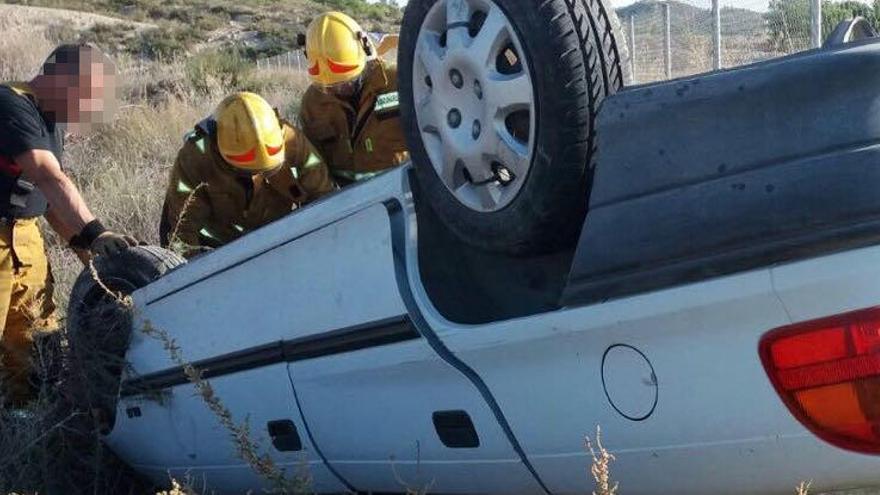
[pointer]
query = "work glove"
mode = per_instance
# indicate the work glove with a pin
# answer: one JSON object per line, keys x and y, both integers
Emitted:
{"x": 109, "y": 243}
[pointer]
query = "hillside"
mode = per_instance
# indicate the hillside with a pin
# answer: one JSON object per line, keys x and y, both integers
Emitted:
{"x": 257, "y": 27}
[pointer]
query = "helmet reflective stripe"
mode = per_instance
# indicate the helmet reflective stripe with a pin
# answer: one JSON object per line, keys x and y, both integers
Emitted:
{"x": 208, "y": 234}
{"x": 295, "y": 172}
{"x": 313, "y": 161}
{"x": 238, "y": 227}
{"x": 182, "y": 187}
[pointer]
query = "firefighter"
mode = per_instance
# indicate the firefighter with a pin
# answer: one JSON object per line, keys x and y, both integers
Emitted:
{"x": 351, "y": 110}
{"x": 238, "y": 170}
{"x": 76, "y": 86}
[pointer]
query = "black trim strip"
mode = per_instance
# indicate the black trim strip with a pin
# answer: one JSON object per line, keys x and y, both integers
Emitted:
{"x": 398, "y": 247}
{"x": 350, "y": 339}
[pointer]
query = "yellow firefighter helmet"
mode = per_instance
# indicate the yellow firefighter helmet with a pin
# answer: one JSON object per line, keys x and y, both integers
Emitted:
{"x": 337, "y": 49}
{"x": 249, "y": 134}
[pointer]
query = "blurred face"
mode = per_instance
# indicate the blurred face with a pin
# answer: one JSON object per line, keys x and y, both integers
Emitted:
{"x": 81, "y": 96}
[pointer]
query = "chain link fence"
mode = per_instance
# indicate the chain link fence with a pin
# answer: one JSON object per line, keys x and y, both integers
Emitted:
{"x": 296, "y": 60}
{"x": 292, "y": 61}
{"x": 670, "y": 39}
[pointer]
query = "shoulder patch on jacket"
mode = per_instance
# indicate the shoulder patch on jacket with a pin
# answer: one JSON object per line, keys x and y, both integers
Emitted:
{"x": 387, "y": 101}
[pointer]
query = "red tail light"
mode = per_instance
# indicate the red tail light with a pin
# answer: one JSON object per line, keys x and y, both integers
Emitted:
{"x": 828, "y": 373}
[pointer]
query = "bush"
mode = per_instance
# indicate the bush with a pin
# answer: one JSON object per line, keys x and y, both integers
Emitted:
{"x": 110, "y": 37}
{"x": 359, "y": 9}
{"x": 163, "y": 43}
{"x": 219, "y": 69}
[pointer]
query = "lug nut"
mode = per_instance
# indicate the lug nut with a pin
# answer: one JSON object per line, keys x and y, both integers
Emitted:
{"x": 504, "y": 175}
{"x": 478, "y": 90}
{"x": 476, "y": 130}
{"x": 456, "y": 78}
{"x": 454, "y": 118}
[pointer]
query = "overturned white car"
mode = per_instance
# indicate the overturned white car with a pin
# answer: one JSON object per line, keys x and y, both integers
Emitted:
{"x": 703, "y": 288}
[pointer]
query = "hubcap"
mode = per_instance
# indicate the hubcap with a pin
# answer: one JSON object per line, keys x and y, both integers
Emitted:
{"x": 469, "y": 68}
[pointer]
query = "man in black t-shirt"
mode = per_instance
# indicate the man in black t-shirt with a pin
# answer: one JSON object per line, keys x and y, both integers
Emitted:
{"x": 76, "y": 86}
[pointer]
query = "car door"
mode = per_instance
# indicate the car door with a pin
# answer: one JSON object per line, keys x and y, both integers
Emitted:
{"x": 388, "y": 413}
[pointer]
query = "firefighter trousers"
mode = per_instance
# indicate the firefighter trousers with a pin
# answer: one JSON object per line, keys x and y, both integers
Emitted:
{"x": 26, "y": 305}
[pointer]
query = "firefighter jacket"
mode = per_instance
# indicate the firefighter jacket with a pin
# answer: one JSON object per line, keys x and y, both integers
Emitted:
{"x": 362, "y": 137}
{"x": 208, "y": 203}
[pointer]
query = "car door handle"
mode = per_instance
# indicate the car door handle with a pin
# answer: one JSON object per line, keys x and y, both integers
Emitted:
{"x": 456, "y": 430}
{"x": 285, "y": 437}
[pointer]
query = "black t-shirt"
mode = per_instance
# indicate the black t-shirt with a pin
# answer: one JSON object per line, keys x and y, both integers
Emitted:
{"x": 22, "y": 128}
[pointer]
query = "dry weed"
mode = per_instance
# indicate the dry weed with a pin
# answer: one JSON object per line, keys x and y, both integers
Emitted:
{"x": 179, "y": 488}
{"x": 175, "y": 243}
{"x": 601, "y": 466}
{"x": 50, "y": 446}
{"x": 247, "y": 449}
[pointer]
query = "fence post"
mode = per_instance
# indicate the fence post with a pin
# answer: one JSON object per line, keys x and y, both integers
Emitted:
{"x": 716, "y": 19}
{"x": 632, "y": 49}
{"x": 816, "y": 24}
{"x": 668, "y": 52}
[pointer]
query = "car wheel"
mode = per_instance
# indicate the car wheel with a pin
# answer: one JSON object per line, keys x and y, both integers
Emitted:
{"x": 499, "y": 101}
{"x": 99, "y": 327}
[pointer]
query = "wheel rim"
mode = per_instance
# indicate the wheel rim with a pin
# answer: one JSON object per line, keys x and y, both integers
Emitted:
{"x": 475, "y": 103}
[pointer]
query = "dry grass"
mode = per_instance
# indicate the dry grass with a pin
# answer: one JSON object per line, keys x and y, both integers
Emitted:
{"x": 53, "y": 446}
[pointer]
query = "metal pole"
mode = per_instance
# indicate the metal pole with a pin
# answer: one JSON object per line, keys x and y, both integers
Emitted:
{"x": 632, "y": 48}
{"x": 716, "y": 19}
{"x": 668, "y": 52}
{"x": 816, "y": 15}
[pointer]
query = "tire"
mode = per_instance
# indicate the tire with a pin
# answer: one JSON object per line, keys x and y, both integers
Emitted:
{"x": 99, "y": 328}
{"x": 573, "y": 62}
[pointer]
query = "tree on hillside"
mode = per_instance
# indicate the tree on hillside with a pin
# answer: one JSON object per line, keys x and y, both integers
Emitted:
{"x": 789, "y": 20}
